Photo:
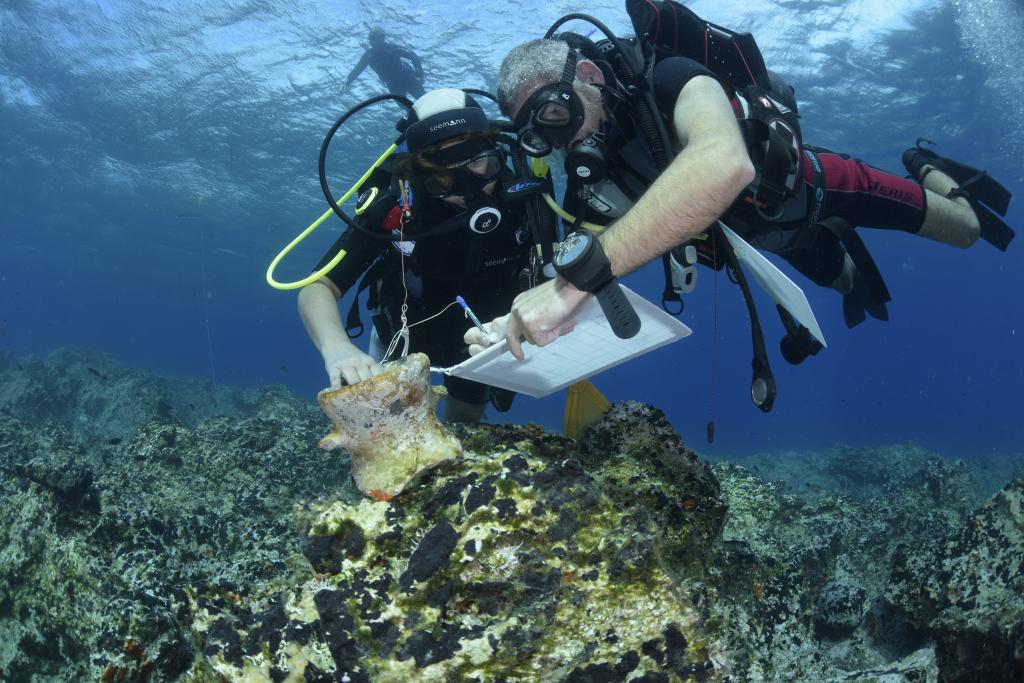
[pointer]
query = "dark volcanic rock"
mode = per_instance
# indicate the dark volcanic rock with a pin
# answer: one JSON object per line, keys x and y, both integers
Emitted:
{"x": 967, "y": 591}
{"x": 839, "y": 609}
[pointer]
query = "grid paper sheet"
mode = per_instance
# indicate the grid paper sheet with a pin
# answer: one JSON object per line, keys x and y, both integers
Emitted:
{"x": 590, "y": 348}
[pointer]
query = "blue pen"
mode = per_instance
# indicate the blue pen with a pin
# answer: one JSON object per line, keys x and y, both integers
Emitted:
{"x": 471, "y": 315}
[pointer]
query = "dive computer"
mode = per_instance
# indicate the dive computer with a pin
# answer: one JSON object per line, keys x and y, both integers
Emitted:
{"x": 581, "y": 260}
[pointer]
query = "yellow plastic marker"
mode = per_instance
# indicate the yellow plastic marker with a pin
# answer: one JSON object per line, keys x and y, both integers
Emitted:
{"x": 316, "y": 224}
{"x": 584, "y": 405}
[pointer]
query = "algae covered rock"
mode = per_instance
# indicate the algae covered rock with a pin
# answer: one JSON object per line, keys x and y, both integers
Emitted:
{"x": 98, "y": 545}
{"x": 513, "y": 565}
{"x": 641, "y": 463}
{"x": 237, "y": 549}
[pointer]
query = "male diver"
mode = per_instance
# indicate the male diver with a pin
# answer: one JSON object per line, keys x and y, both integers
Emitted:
{"x": 398, "y": 67}
{"x": 448, "y": 231}
{"x": 726, "y": 153}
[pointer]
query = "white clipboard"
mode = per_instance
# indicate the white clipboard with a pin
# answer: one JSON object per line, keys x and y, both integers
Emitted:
{"x": 772, "y": 280}
{"x": 590, "y": 348}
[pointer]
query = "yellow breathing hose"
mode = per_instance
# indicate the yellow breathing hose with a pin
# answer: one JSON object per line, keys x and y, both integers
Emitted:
{"x": 593, "y": 227}
{"x": 540, "y": 167}
{"x": 316, "y": 224}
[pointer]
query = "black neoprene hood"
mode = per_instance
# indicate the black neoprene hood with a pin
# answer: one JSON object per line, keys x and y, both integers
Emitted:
{"x": 441, "y": 115}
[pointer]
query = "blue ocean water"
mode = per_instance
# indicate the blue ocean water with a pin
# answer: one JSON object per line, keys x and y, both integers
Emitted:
{"x": 156, "y": 156}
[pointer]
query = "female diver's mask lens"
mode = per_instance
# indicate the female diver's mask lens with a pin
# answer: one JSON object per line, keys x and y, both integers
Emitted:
{"x": 465, "y": 177}
{"x": 435, "y": 186}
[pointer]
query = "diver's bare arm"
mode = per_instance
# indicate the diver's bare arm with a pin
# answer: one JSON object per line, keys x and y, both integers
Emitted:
{"x": 697, "y": 187}
{"x": 342, "y": 359}
{"x": 318, "y": 309}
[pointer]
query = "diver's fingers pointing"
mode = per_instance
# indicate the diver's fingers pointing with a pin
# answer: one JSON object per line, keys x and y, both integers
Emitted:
{"x": 512, "y": 335}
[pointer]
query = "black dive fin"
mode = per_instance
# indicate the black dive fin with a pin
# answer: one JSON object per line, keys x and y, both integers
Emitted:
{"x": 858, "y": 304}
{"x": 853, "y": 313}
{"x": 993, "y": 229}
{"x": 878, "y": 311}
{"x": 976, "y": 183}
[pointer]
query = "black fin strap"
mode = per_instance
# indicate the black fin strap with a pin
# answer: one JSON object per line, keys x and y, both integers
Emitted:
{"x": 963, "y": 189}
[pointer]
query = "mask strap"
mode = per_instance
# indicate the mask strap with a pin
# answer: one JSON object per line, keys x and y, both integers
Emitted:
{"x": 569, "y": 70}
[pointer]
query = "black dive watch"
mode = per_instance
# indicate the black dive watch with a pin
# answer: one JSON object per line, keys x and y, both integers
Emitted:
{"x": 581, "y": 260}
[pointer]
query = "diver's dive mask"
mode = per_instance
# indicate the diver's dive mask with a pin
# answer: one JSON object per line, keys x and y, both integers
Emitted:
{"x": 550, "y": 120}
{"x": 466, "y": 169}
{"x": 552, "y": 116}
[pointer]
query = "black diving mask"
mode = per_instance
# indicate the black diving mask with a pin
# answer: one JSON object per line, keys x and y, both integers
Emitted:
{"x": 465, "y": 170}
{"x": 468, "y": 177}
{"x": 552, "y": 116}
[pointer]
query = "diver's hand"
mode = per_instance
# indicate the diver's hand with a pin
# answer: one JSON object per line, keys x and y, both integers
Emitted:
{"x": 349, "y": 365}
{"x": 478, "y": 341}
{"x": 543, "y": 314}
